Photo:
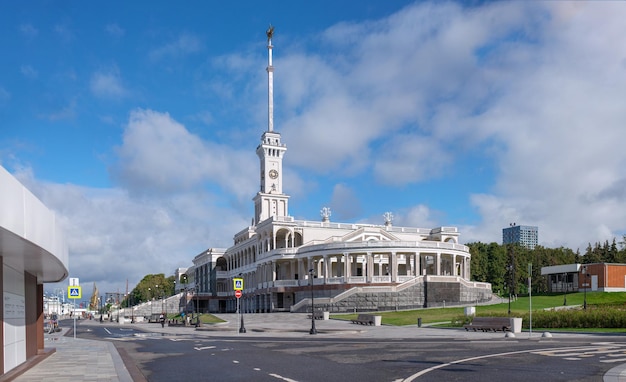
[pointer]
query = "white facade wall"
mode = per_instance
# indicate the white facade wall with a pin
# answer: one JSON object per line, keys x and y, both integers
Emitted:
{"x": 14, "y": 317}
{"x": 25, "y": 216}
{"x": 33, "y": 251}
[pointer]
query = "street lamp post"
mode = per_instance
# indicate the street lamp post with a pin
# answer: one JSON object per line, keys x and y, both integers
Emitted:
{"x": 158, "y": 294}
{"x": 313, "y": 330}
{"x": 565, "y": 289}
{"x": 197, "y": 308}
{"x": 150, "y": 301}
{"x": 510, "y": 282}
{"x": 585, "y": 290}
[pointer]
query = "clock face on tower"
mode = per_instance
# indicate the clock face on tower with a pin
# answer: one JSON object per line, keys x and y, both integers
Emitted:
{"x": 273, "y": 174}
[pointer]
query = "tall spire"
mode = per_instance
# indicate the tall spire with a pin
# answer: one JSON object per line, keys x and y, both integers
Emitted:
{"x": 270, "y": 81}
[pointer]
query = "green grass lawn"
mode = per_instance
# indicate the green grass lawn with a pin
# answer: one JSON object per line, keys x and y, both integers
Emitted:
{"x": 205, "y": 318}
{"x": 519, "y": 306}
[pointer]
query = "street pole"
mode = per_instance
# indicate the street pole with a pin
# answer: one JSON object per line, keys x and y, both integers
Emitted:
{"x": 197, "y": 309}
{"x": 564, "y": 289}
{"x": 242, "y": 329}
{"x": 313, "y": 330}
{"x": 586, "y": 285}
{"x": 510, "y": 283}
{"x": 530, "y": 299}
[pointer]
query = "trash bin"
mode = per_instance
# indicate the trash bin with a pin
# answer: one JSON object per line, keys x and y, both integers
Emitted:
{"x": 419, "y": 322}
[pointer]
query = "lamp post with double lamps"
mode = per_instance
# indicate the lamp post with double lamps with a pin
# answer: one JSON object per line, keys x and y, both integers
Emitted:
{"x": 313, "y": 330}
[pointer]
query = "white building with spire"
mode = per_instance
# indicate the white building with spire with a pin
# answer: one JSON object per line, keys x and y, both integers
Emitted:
{"x": 283, "y": 260}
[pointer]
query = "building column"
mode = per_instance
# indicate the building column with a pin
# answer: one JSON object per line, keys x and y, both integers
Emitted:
{"x": 454, "y": 272}
{"x": 347, "y": 265}
{"x": 369, "y": 267}
{"x": 394, "y": 267}
{"x": 438, "y": 264}
{"x": 273, "y": 271}
{"x": 326, "y": 268}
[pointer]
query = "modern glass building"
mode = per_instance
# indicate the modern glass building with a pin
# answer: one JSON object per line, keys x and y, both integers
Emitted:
{"x": 524, "y": 235}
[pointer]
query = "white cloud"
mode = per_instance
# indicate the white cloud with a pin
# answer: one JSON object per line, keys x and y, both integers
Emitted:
{"x": 379, "y": 78}
{"x": 64, "y": 33}
{"x": 205, "y": 117}
{"x": 115, "y": 30}
{"x": 411, "y": 158}
{"x": 113, "y": 237}
{"x": 4, "y": 95}
{"x": 159, "y": 155}
{"x": 344, "y": 203}
{"x": 67, "y": 112}
{"x": 29, "y": 72}
{"x": 107, "y": 84}
{"x": 183, "y": 45}
{"x": 561, "y": 124}
{"x": 523, "y": 84}
{"x": 416, "y": 216}
{"x": 29, "y": 30}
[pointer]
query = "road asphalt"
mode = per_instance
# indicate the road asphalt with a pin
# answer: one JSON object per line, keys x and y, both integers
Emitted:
{"x": 75, "y": 359}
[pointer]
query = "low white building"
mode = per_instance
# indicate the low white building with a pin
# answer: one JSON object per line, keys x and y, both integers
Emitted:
{"x": 33, "y": 251}
{"x": 348, "y": 267}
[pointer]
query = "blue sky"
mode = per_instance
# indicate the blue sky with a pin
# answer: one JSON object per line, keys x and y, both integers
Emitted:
{"x": 137, "y": 122}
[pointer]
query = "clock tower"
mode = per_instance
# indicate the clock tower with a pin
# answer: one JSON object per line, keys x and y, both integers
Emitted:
{"x": 270, "y": 200}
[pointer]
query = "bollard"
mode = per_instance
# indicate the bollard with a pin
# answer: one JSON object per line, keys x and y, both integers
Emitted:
{"x": 419, "y": 322}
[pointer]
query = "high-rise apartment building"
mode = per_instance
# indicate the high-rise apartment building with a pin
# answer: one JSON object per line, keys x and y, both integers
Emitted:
{"x": 521, "y": 234}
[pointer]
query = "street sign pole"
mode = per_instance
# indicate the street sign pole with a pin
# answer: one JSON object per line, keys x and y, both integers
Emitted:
{"x": 74, "y": 292}
{"x": 238, "y": 287}
{"x": 530, "y": 299}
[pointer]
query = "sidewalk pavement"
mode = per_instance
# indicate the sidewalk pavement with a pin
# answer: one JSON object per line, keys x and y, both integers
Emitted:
{"x": 76, "y": 359}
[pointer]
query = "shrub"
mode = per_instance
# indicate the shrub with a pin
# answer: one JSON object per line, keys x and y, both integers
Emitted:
{"x": 593, "y": 317}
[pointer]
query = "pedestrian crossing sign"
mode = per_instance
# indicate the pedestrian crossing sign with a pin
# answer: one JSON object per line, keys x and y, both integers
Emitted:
{"x": 74, "y": 292}
{"x": 238, "y": 284}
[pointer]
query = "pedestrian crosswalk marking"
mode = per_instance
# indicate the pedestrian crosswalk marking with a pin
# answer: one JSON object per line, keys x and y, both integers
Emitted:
{"x": 601, "y": 350}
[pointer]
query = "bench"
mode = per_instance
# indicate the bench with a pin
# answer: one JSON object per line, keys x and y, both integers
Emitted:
{"x": 318, "y": 315}
{"x": 487, "y": 324}
{"x": 364, "y": 319}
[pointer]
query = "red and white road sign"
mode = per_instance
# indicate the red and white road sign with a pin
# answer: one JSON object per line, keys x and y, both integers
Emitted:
{"x": 238, "y": 293}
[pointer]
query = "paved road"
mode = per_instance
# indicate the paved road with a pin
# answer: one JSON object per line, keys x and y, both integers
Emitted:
{"x": 278, "y": 347}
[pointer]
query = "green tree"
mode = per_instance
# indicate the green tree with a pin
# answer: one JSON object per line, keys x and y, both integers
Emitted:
{"x": 152, "y": 286}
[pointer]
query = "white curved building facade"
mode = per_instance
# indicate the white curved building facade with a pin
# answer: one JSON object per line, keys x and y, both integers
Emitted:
{"x": 283, "y": 260}
{"x": 33, "y": 251}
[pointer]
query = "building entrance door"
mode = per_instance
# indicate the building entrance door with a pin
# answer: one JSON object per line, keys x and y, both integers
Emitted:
{"x": 594, "y": 282}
